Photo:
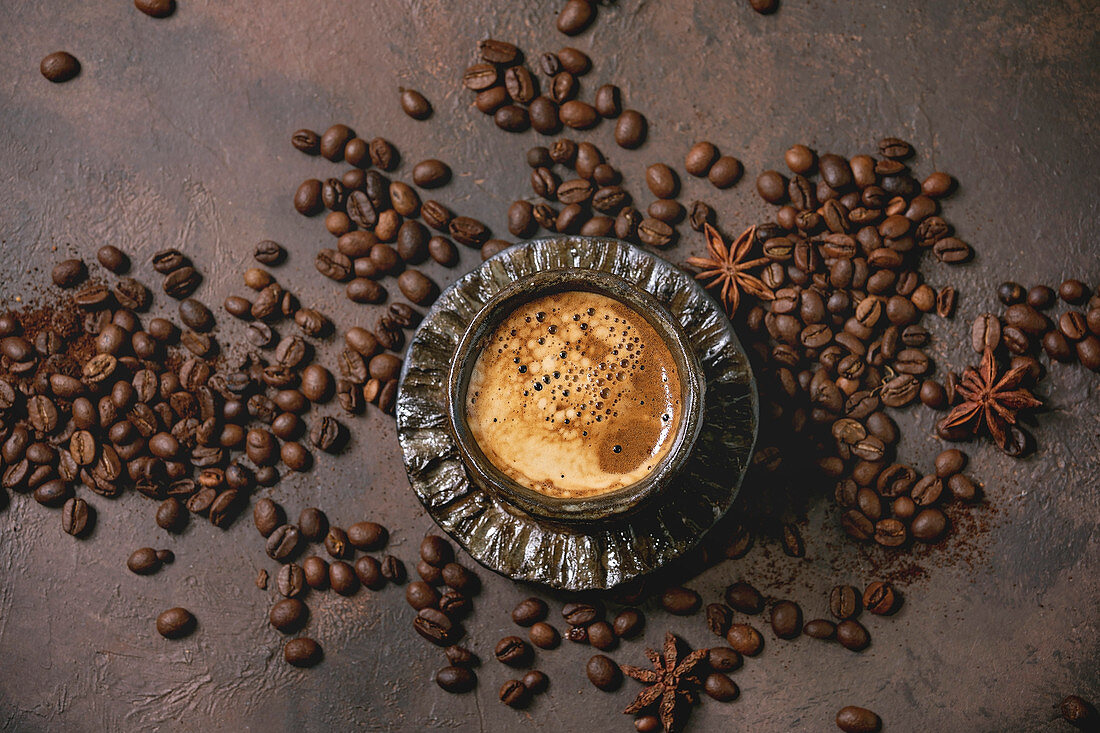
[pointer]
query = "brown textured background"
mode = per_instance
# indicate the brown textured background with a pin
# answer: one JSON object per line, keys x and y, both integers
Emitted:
{"x": 176, "y": 134}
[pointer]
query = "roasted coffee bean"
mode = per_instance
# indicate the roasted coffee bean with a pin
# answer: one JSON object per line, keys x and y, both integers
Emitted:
{"x": 76, "y": 517}
{"x": 456, "y": 680}
{"x": 720, "y": 687}
{"x": 852, "y": 635}
{"x": 334, "y": 140}
{"x": 786, "y": 619}
{"x": 307, "y": 141}
{"x": 419, "y": 595}
{"x": 602, "y": 636}
{"x": 744, "y": 597}
{"x": 48, "y": 492}
{"x": 415, "y": 104}
{"x": 479, "y": 77}
{"x": 429, "y": 573}
{"x": 668, "y": 211}
{"x": 927, "y": 491}
{"x": 630, "y": 129}
{"x": 430, "y": 173}
{"x": 369, "y": 572}
{"x": 580, "y": 614}
{"x": 393, "y": 569}
{"x": 288, "y": 615}
{"x": 574, "y": 191}
{"x": 577, "y": 634}
{"x": 962, "y": 487}
{"x": 745, "y": 639}
{"x": 416, "y": 286}
{"x": 168, "y": 261}
{"x": 175, "y": 623}
{"x": 950, "y": 462}
{"x": 520, "y": 85}
{"x": 574, "y": 61}
{"x": 603, "y": 673}
{"x": 181, "y": 282}
{"x": 662, "y": 181}
{"x": 434, "y": 626}
{"x": 316, "y": 573}
{"x": 302, "y": 652}
{"x": 467, "y": 231}
{"x": 655, "y": 232}
{"x": 578, "y": 115}
{"x": 61, "y": 66}
{"x": 1073, "y": 325}
{"x": 143, "y": 561}
{"x": 131, "y": 294}
{"x": 529, "y": 611}
{"x": 436, "y": 551}
{"x": 985, "y": 333}
{"x": 880, "y": 598}
{"x": 512, "y": 118}
{"x": 336, "y": 542}
{"x": 543, "y": 635}
{"x": 719, "y": 618}
{"x": 171, "y": 514}
{"x": 514, "y": 694}
{"x": 575, "y": 16}
{"x": 342, "y": 578}
{"x": 69, "y": 273}
{"x": 700, "y": 157}
{"x": 312, "y": 524}
{"x": 282, "y": 542}
{"x": 900, "y": 391}
{"x": 1040, "y": 297}
{"x": 700, "y": 215}
{"x": 362, "y": 290}
{"x": 819, "y": 628}
{"x": 792, "y": 541}
{"x": 1011, "y": 293}
{"x": 497, "y": 52}
{"x": 291, "y": 581}
{"x": 308, "y": 198}
{"x": 929, "y": 525}
{"x": 1073, "y": 291}
{"x": 725, "y": 172}
{"x": 513, "y": 651}
{"x": 951, "y": 250}
{"x": 844, "y": 602}
{"x": 772, "y": 186}
{"x": 628, "y": 623}
{"x": 491, "y": 99}
{"x": 1079, "y": 712}
{"x": 852, "y": 719}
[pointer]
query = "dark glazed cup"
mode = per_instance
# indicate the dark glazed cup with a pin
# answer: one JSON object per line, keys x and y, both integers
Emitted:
{"x": 614, "y": 504}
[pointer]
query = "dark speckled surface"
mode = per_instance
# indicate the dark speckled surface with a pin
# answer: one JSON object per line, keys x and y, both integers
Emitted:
{"x": 176, "y": 133}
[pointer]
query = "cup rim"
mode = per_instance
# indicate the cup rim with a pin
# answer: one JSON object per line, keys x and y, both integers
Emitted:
{"x": 619, "y": 502}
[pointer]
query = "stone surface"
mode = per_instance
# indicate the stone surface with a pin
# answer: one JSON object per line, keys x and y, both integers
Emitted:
{"x": 176, "y": 133}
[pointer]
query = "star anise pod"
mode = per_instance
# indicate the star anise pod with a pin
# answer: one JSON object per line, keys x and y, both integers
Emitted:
{"x": 990, "y": 400}
{"x": 669, "y": 681}
{"x": 727, "y": 269}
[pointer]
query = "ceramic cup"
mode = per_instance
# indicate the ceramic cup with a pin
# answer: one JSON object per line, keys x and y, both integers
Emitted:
{"x": 604, "y": 507}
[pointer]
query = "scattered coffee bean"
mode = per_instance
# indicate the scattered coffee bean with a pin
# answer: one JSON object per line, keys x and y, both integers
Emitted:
{"x": 302, "y": 652}
{"x": 603, "y": 673}
{"x": 852, "y": 719}
{"x": 59, "y": 67}
{"x": 175, "y": 623}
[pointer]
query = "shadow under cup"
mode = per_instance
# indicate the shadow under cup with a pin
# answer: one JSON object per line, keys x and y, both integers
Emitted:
{"x": 618, "y": 502}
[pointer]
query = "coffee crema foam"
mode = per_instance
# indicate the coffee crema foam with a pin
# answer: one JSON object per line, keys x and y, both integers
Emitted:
{"x": 574, "y": 395}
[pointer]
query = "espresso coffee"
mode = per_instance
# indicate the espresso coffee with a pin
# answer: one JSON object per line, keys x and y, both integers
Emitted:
{"x": 574, "y": 395}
